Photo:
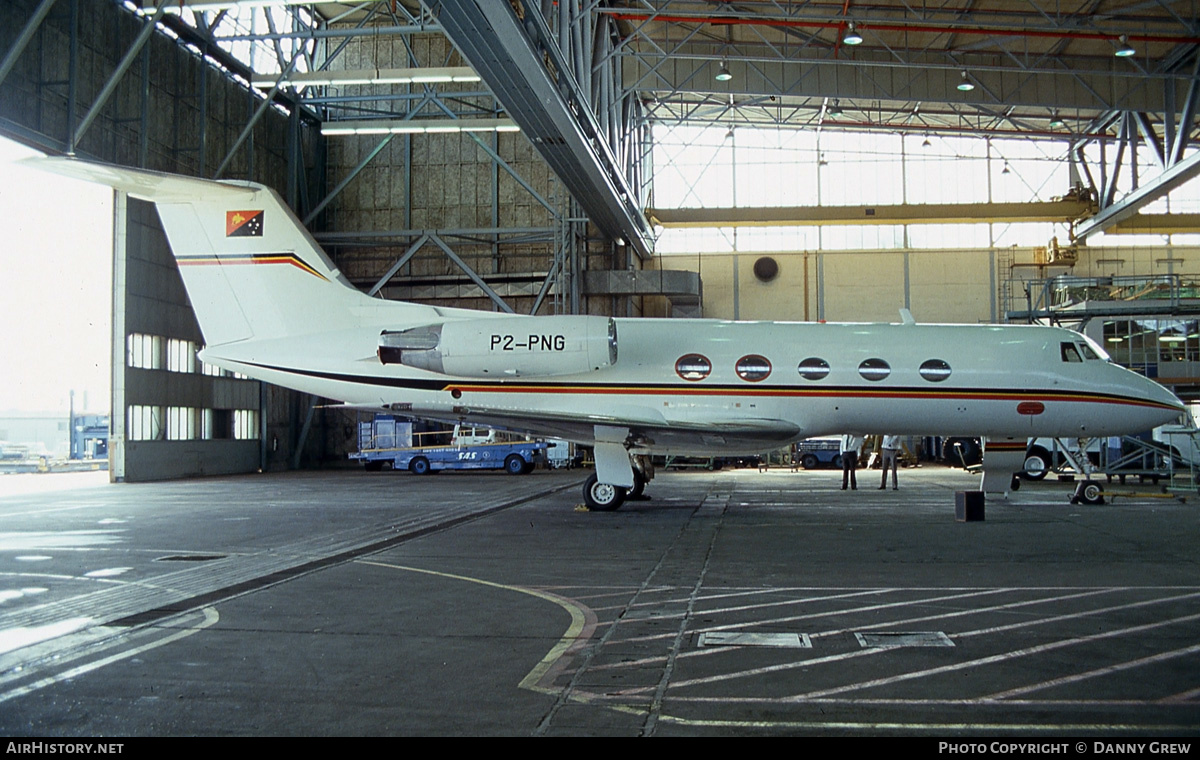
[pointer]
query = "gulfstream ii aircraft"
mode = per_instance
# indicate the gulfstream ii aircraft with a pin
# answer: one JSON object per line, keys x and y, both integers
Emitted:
{"x": 272, "y": 306}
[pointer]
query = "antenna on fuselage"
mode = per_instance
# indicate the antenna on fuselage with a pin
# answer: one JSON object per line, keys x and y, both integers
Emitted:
{"x": 906, "y": 317}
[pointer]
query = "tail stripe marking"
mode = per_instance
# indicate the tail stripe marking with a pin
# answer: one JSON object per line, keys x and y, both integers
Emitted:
{"x": 243, "y": 259}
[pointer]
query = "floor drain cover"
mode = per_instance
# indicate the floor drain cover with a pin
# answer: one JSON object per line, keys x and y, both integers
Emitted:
{"x": 881, "y": 639}
{"x": 743, "y": 639}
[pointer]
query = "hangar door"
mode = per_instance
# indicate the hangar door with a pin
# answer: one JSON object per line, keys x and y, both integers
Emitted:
{"x": 173, "y": 416}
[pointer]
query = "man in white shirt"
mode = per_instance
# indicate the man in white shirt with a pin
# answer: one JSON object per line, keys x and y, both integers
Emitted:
{"x": 851, "y": 445}
{"x": 890, "y": 447}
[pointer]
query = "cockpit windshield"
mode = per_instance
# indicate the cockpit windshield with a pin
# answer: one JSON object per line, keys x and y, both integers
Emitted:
{"x": 1096, "y": 351}
{"x": 1082, "y": 350}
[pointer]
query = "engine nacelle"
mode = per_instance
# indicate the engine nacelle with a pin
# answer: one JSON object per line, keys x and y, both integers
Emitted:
{"x": 503, "y": 348}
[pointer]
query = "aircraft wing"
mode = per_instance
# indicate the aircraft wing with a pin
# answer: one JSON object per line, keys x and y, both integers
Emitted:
{"x": 649, "y": 429}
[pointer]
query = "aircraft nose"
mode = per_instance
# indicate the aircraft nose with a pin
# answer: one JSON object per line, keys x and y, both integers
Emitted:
{"x": 1159, "y": 394}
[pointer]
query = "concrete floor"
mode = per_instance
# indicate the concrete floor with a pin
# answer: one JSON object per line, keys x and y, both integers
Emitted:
{"x": 730, "y": 603}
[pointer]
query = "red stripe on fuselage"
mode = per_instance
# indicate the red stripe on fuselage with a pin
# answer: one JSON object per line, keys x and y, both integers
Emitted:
{"x": 804, "y": 393}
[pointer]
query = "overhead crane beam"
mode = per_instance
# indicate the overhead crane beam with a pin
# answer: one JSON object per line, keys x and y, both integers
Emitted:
{"x": 824, "y": 216}
{"x": 531, "y": 78}
{"x": 1156, "y": 224}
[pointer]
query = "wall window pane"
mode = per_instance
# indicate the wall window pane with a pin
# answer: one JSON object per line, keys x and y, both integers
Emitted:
{"x": 144, "y": 423}
{"x": 181, "y": 423}
{"x": 245, "y": 424}
{"x": 181, "y": 355}
{"x": 144, "y": 351}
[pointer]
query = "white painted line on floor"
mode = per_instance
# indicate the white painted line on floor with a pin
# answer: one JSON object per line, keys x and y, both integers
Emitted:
{"x": 210, "y": 618}
{"x": 1098, "y": 672}
{"x": 991, "y": 660}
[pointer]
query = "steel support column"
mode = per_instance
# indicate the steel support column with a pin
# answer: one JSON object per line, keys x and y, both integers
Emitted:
{"x": 258, "y": 114}
{"x": 496, "y": 299}
{"x": 27, "y": 32}
{"x": 391, "y": 272}
{"x": 111, "y": 86}
{"x": 348, "y": 179}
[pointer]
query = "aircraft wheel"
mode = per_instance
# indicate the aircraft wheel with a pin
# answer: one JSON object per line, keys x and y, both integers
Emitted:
{"x": 809, "y": 461}
{"x": 419, "y": 466}
{"x": 1037, "y": 463}
{"x": 514, "y": 464}
{"x": 602, "y": 497}
{"x": 1089, "y": 492}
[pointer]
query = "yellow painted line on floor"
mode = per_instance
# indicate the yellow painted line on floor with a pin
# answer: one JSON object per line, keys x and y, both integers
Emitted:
{"x": 578, "y": 632}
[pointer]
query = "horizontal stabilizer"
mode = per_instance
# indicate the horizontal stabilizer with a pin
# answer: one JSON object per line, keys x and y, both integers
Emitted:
{"x": 141, "y": 183}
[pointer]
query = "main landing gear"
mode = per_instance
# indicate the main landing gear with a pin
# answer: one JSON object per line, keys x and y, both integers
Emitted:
{"x": 603, "y": 497}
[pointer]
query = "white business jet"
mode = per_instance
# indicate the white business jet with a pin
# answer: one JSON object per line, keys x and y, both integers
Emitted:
{"x": 272, "y": 306}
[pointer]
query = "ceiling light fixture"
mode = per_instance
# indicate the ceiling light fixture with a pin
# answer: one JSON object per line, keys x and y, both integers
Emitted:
{"x": 1125, "y": 49}
{"x": 834, "y": 111}
{"x": 723, "y": 74}
{"x": 1056, "y": 121}
{"x": 415, "y": 126}
{"x": 428, "y": 75}
{"x": 203, "y": 6}
{"x": 852, "y": 37}
{"x": 926, "y": 144}
{"x": 965, "y": 85}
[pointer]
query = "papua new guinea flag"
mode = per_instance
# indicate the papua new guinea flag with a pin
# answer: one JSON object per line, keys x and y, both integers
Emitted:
{"x": 243, "y": 223}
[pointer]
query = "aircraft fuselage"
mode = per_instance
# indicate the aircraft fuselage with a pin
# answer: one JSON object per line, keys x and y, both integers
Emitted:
{"x": 678, "y": 376}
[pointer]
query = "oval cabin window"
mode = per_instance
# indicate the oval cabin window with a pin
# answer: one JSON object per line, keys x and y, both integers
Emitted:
{"x": 874, "y": 369}
{"x": 753, "y": 368}
{"x": 813, "y": 368}
{"x": 693, "y": 367}
{"x": 935, "y": 370}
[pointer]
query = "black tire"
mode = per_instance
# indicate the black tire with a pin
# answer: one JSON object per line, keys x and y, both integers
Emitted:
{"x": 514, "y": 464}
{"x": 1037, "y": 464}
{"x": 837, "y": 462}
{"x": 419, "y": 466}
{"x": 602, "y": 497}
{"x": 639, "y": 486}
{"x": 971, "y": 452}
{"x": 1090, "y": 492}
{"x": 809, "y": 461}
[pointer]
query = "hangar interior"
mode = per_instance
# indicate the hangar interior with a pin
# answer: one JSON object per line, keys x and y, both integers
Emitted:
{"x": 660, "y": 158}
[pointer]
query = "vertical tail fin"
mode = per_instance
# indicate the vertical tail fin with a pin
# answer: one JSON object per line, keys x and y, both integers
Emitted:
{"x": 250, "y": 267}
